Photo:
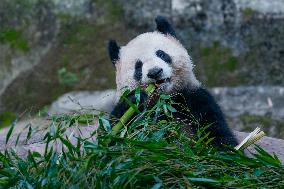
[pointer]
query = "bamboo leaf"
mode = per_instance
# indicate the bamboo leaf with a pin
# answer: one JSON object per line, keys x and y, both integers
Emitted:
{"x": 17, "y": 139}
{"x": 133, "y": 106}
{"x": 10, "y": 131}
{"x": 206, "y": 180}
{"x": 29, "y": 134}
{"x": 171, "y": 109}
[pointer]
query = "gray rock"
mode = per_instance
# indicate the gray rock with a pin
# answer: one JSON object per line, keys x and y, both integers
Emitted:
{"x": 99, "y": 101}
{"x": 73, "y": 8}
{"x": 275, "y": 7}
{"x": 40, "y": 127}
{"x": 259, "y": 101}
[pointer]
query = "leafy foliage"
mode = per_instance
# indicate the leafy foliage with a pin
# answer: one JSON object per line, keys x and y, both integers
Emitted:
{"x": 149, "y": 152}
{"x": 6, "y": 119}
{"x": 15, "y": 39}
{"x": 67, "y": 78}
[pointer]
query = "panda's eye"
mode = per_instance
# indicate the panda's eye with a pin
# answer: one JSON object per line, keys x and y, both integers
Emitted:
{"x": 138, "y": 70}
{"x": 164, "y": 56}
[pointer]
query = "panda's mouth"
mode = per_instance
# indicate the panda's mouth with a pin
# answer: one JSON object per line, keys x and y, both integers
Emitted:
{"x": 162, "y": 84}
{"x": 162, "y": 81}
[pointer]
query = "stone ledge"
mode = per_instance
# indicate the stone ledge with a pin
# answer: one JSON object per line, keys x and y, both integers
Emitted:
{"x": 272, "y": 145}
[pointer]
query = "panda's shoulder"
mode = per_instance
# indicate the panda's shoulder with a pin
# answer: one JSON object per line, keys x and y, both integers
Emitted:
{"x": 197, "y": 97}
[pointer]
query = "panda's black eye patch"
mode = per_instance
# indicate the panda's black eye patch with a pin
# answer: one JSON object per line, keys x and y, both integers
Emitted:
{"x": 164, "y": 56}
{"x": 138, "y": 70}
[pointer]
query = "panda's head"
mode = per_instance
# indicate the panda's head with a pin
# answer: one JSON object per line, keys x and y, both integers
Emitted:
{"x": 153, "y": 57}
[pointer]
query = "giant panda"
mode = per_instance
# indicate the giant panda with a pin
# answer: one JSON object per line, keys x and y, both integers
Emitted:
{"x": 159, "y": 57}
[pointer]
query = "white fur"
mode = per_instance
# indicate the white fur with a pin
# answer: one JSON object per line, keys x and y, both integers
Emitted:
{"x": 143, "y": 48}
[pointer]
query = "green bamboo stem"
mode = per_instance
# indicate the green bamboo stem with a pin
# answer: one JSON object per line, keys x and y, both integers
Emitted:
{"x": 127, "y": 115}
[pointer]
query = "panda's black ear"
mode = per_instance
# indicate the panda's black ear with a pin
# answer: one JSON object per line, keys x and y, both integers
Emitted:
{"x": 164, "y": 26}
{"x": 113, "y": 51}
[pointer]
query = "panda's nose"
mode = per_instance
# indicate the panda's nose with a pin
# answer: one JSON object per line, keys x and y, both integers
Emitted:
{"x": 155, "y": 73}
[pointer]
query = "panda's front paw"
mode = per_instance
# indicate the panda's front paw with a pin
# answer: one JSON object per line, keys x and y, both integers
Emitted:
{"x": 137, "y": 99}
{"x": 124, "y": 104}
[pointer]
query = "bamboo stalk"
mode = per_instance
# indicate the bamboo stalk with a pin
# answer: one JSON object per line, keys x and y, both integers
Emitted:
{"x": 254, "y": 136}
{"x": 127, "y": 115}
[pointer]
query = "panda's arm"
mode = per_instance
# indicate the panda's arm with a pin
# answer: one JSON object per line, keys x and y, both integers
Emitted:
{"x": 119, "y": 110}
{"x": 122, "y": 106}
{"x": 204, "y": 108}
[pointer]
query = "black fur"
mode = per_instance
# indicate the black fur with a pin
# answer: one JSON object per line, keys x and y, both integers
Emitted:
{"x": 123, "y": 106}
{"x": 164, "y": 26}
{"x": 138, "y": 70}
{"x": 202, "y": 107}
{"x": 164, "y": 56}
{"x": 155, "y": 73}
{"x": 113, "y": 50}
